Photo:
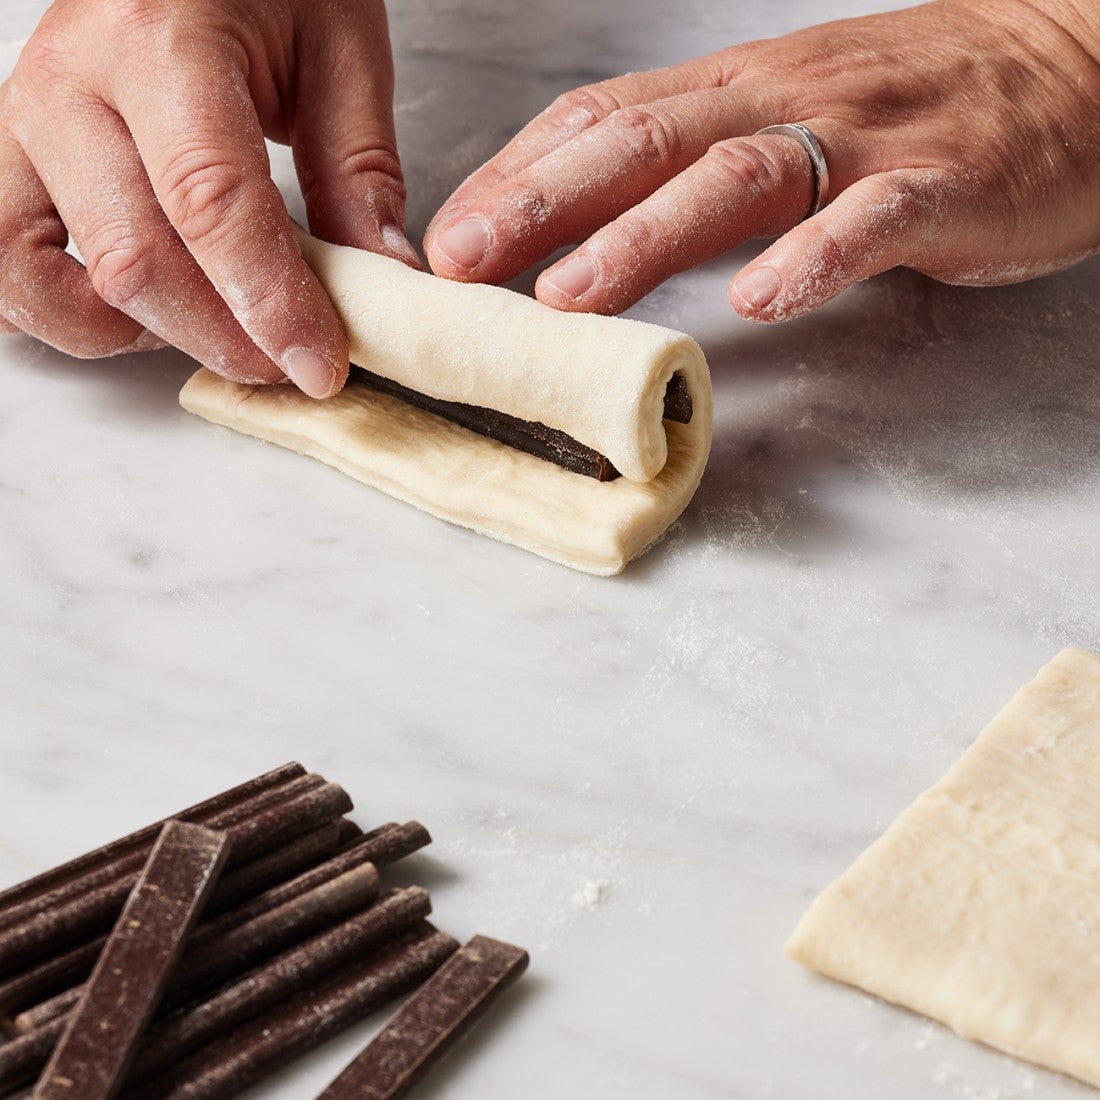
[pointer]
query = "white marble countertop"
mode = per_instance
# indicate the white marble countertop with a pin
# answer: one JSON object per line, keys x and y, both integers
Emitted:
{"x": 643, "y": 780}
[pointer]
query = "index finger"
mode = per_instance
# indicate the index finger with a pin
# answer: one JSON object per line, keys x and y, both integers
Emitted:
{"x": 203, "y": 147}
{"x": 574, "y": 112}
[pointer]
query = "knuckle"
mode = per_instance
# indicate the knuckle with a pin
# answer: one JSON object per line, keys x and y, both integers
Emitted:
{"x": 744, "y": 164}
{"x": 375, "y": 166}
{"x": 200, "y": 191}
{"x": 130, "y": 18}
{"x": 48, "y": 57}
{"x": 259, "y": 299}
{"x": 582, "y": 108}
{"x": 649, "y": 136}
{"x": 828, "y": 250}
{"x": 732, "y": 63}
{"x": 898, "y": 198}
{"x": 370, "y": 160}
{"x": 637, "y": 240}
{"x": 120, "y": 265}
{"x": 22, "y": 240}
{"x": 529, "y": 202}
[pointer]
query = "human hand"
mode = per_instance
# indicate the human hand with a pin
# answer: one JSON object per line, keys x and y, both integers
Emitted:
{"x": 137, "y": 127}
{"x": 961, "y": 139}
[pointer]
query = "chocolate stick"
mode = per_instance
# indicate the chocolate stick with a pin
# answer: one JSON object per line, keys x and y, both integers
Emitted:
{"x": 389, "y": 844}
{"x": 268, "y": 1042}
{"x": 278, "y": 866}
{"x": 65, "y": 970}
{"x": 119, "y": 998}
{"x": 529, "y": 436}
{"x": 280, "y": 980}
{"x": 74, "y": 868}
{"x": 430, "y": 1022}
{"x": 272, "y": 827}
{"x": 44, "y": 979}
{"x": 381, "y": 846}
{"x": 349, "y": 831}
{"x": 120, "y": 871}
{"x": 21, "y": 1059}
{"x": 219, "y": 958}
{"x": 91, "y": 912}
{"x": 337, "y": 865}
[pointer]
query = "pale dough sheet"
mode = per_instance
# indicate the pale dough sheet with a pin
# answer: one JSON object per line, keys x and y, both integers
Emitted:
{"x": 459, "y": 476}
{"x": 980, "y": 905}
{"x": 600, "y": 379}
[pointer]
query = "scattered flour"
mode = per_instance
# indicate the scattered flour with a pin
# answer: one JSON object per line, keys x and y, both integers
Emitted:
{"x": 591, "y": 894}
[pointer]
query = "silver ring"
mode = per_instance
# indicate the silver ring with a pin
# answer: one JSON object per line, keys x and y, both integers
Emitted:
{"x": 808, "y": 140}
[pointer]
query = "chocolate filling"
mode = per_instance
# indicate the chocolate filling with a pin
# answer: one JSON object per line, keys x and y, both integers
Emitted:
{"x": 527, "y": 435}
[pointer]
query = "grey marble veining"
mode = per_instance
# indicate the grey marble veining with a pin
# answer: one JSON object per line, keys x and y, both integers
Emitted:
{"x": 643, "y": 780}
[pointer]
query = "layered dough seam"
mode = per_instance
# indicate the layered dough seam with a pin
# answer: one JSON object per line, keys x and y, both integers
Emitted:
{"x": 600, "y": 380}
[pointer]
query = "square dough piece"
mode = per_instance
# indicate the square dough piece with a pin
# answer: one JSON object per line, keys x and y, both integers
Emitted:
{"x": 980, "y": 905}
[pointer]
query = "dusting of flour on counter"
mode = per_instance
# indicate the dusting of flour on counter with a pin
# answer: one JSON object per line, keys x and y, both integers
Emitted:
{"x": 953, "y": 1079}
{"x": 590, "y": 894}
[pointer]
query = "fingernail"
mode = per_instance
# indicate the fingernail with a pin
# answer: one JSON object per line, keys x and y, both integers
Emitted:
{"x": 574, "y": 277}
{"x": 311, "y": 372}
{"x": 446, "y": 214}
{"x": 148, "y": 341}
{"x": 466, "y": 242}
{"x": 399, "y": 244}
{"x": 757, "y": 287}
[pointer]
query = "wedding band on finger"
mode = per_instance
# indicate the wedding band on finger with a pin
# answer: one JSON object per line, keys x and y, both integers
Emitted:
{"x": 808, "y": 140}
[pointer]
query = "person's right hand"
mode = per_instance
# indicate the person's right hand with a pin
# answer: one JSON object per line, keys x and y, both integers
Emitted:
{"x": 137, "y": 127}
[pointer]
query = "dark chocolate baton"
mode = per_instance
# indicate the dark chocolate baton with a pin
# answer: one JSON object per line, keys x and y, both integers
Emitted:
{"x": 381, "y": 846}
{"x": 22, "y": 1059}
{"x": 529, "y": 436}
{"x": 120, "y": 997}
{"x": 143, "y": 839}
{"x": 284, "y": 970}
{"x": 236, "y": 890}
{"x": 281, "y": 979}
{"x": 390, "y": 843}
{"x": 430, "y": 1022}
{"x": 264, "y": 828}
{"x": 271, "y": 1040}
{"x": 89, "y": 903}
{"x": 219, "y": 958}
{"x": 278, "y": 866}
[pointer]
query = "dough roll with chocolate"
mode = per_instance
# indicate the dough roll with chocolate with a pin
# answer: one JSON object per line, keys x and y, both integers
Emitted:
{"x": 613, "y": 391}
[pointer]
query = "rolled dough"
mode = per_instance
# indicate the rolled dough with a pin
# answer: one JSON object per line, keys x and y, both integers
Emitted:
{"x": 980, "y": 905}
{"x": 600, "y": 379}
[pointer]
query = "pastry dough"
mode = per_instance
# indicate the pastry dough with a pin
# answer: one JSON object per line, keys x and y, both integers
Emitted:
{"x": 980, "y": 905}
{"x": 601, "y": 380}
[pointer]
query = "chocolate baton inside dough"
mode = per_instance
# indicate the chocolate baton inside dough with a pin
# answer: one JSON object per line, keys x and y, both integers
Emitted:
{"x": 527, "y": 435}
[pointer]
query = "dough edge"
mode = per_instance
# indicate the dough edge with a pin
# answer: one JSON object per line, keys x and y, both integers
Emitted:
{"x": 467, "y": 479}
{"x": 874, "y": 926}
